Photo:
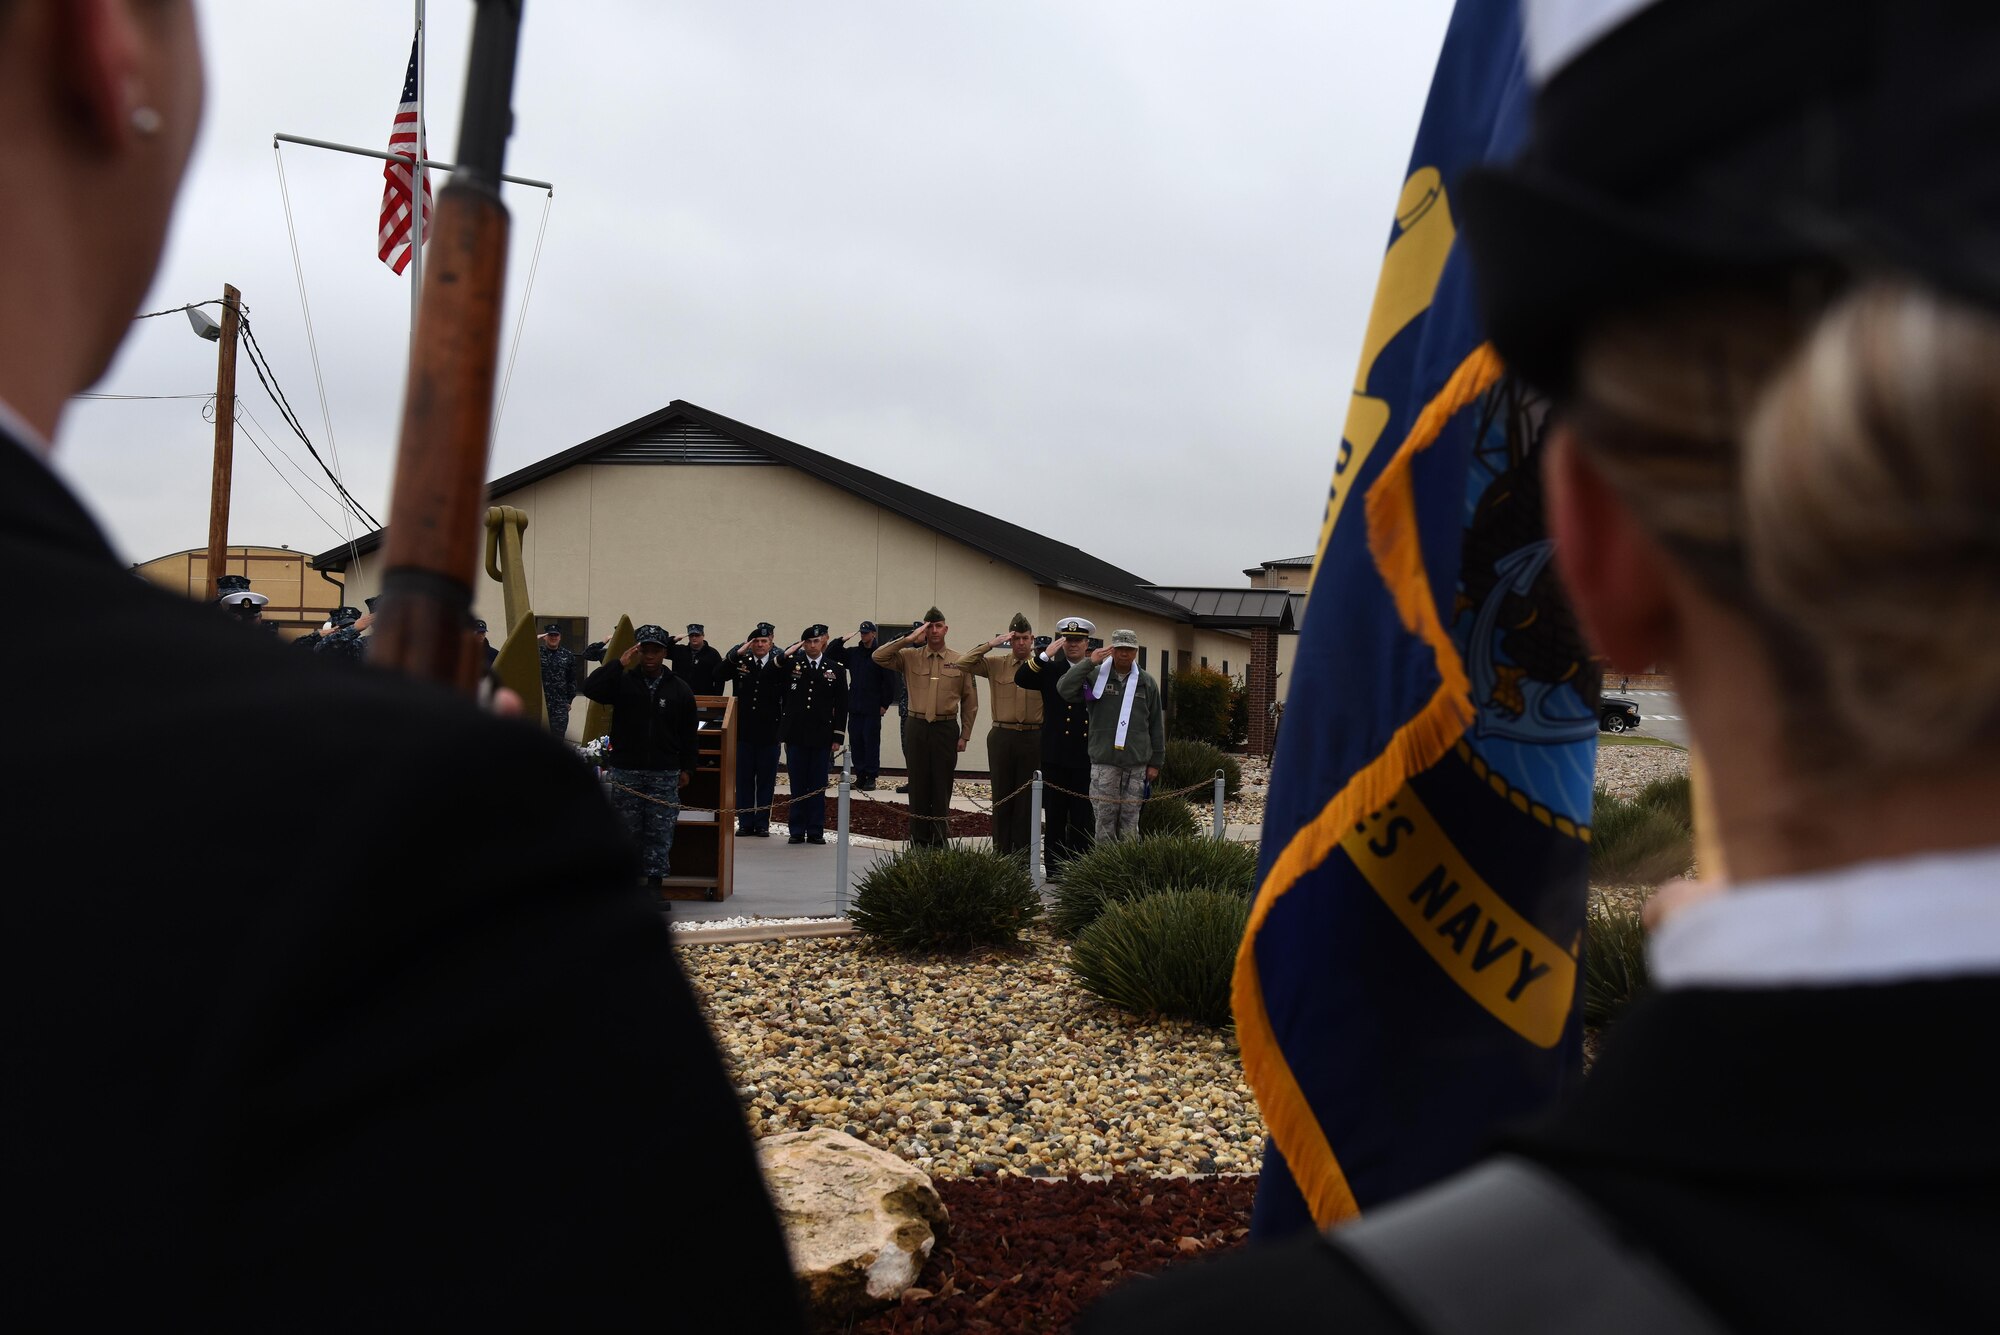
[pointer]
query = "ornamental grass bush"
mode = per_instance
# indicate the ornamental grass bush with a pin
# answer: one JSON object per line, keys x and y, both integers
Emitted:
{"x": 1167, "y": 954}
{"x": 1130, "y": 869}
{"x": 1639, "y": 842}
{"x": 1196, "y": 762}
{"x": 1614, "y": 960}
{"x": 1167, "y": 816}
{"x": 1673, "y": 795}
{"x": 946, "y": 898}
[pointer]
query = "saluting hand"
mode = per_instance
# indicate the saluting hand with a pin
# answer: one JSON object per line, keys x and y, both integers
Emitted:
{"x": 999, "y": 641}
{"x": 1099, "y": 655}
{"x": 629, "y": 657}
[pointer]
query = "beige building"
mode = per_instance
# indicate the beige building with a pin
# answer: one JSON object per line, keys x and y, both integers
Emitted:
{"x": 1294, "y": 573}
{"x": 685, "y": 515}
{"x": 301, "y": 596}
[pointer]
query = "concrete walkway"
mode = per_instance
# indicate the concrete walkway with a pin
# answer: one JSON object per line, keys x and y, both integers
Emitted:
{"x": 775, "y": 879}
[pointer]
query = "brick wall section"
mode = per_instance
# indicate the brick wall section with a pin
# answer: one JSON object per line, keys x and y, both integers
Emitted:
{"x": 1263, "y": 687}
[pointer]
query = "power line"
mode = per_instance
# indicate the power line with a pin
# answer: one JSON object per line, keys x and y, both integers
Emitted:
{"x": 297, "y": 467}
{"x": 136, "y": 398}
{"x": 176, "y": 310}
{"x": 288, "y": 485}
{"x": 268, "y": 379}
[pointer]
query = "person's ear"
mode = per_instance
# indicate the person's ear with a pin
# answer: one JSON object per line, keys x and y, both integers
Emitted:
{"x": 100, "y": 61}
{"x": 1617, "y": 578}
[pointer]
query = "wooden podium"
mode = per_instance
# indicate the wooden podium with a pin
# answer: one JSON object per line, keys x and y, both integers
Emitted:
{"x": 704, "y": 853}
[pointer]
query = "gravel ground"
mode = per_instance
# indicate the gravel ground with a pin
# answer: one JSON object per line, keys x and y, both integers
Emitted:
{"x": 995, "y": 1064}
{"x": 1624, "y": 770}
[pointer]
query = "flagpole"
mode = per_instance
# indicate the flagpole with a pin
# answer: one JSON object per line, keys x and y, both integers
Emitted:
{"x": 417, "y": 184}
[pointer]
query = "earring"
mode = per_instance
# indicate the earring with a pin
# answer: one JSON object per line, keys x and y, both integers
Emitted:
{"x": 146, "y": 121}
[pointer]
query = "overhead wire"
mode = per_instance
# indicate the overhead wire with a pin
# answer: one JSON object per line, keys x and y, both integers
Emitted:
{"x": 208, "y": 416}
{"x": 268, "y": 377}
{"x": 271, "y": 440}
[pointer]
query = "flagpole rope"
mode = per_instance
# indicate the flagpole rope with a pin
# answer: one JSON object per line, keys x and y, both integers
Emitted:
{"x": 1394, "y": 543}
{"x": 312, "y": 346}
{"x": 521, "y": 321}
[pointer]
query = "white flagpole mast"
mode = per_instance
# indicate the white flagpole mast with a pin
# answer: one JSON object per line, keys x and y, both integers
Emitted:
{"x": 417, "y": 183}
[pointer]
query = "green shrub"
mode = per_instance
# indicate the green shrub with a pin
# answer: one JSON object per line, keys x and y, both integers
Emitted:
{"x": 952, "y": 897}
{"x": 1614, "y": 961}
{"x": 1200, "y": 710}
{"x": 1189, "y": 762}
{"x": 1673, "y": 795}
{"x": 1167, "y": 817}
{"x": 1167, "y": 954}
{"x": 1239, "y": 713}
{"x": 1634, "y": 843}
{"x": 1130, "y": 869}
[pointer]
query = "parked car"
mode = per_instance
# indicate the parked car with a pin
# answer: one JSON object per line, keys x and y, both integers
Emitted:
{"x": 1618, "y": 715}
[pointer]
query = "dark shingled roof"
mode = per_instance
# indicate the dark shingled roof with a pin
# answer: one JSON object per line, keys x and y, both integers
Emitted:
{"x": 1050, "y": 562}
{"x": 1238, "y": 609}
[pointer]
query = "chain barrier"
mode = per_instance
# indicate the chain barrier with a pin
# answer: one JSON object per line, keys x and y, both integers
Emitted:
{"x": 856, "y": 796}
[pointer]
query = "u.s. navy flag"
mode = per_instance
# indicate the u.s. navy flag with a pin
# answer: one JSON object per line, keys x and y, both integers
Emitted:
{"x": 1410, "y": 976}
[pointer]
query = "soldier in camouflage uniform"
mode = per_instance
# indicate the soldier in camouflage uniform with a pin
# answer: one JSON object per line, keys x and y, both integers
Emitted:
{"x": 561, "y": 678}
{"x": 654, "y": 748}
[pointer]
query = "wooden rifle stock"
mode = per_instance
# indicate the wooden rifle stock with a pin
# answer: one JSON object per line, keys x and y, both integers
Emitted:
{"x": 438, "y": 511}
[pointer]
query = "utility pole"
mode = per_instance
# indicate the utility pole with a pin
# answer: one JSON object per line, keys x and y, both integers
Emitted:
{"x": 225, "y": 440}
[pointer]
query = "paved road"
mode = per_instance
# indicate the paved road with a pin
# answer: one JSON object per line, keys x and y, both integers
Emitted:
{"x": 1662, "y": 715}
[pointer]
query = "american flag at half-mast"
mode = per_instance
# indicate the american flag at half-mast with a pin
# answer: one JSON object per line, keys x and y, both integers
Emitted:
{"x": 398, "y": 189}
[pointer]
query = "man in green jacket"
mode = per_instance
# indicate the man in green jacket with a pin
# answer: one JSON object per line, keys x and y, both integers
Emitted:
{"x": 1128, "y": 730}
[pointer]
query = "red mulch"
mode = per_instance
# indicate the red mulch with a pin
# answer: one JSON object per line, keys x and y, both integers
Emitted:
{"x": 870, "y": 814}
{"x": 1029, "y": 1255}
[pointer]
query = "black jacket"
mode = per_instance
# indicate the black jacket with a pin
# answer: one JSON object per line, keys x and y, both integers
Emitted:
{"x": 1816, "y": 1159}
{"x": 700, "y": 668}
{"x": 869, "y": 685}
{"x": 759, "y": 695}
{"x": 415, "y": 1085}
{"x": 815, "y": 701}
{"x": 1065, "y": 725}
{"x": 652, "y": 727}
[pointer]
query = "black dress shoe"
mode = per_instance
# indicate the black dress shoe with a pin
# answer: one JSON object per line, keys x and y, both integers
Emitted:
{"x": 904, "y": 788}
{"x": 866, "y": 785}
{"x": 815, "y": 838}
{"x": 744, "y": 832}
{"x": 796, "y": 839}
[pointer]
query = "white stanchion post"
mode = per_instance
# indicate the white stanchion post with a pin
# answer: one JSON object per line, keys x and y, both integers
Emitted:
{"x": 1219, "y": 794}
{"x": 1035, "y": 830}
{"x": 840, "y": 848}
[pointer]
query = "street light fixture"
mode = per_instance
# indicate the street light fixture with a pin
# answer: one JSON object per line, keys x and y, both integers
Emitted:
{"x": 204, "y": 326}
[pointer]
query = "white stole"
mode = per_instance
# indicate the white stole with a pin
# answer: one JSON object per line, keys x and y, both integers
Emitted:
{"x": 1125, "y": 706}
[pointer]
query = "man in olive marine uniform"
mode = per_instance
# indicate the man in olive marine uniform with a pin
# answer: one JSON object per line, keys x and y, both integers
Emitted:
{"x": 1068, "y": 821}
{"x": 1014, "y": 740}
{"x": 943, "y": 705}
{"x": 562, "y": 678}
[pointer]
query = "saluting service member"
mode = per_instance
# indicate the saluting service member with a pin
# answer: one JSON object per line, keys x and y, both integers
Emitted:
{"x": 335, "y": 620}
{"x": 815, "y": 713}
{"x": 1014, "y": 741}
{"x": 561, "y": 678}
{"x": 239, "y": 1101}
{"x": 943, "y": 705}
{"x": 1128, "y": 731}
{"x": 756, "y": 678}
{"x": 653, "y": 745}
{"x": 698, "y": 663}
{"x": 233, "y": 592}
{"x": 869, "y": 691}
{"x": 1068, "y": 821}
{"x": 349, "y": 643}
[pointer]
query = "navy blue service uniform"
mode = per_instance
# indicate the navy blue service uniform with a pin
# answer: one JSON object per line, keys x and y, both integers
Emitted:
{"x": 815, "y": 715}
{"x": 1069, "y": 823}
{"x": 561, "y": 681}
{"x": 759, "y": 690}
{"x": 700, "y": 666}
{"x": 653, "y": 742}
{"x": 871, "y": 689}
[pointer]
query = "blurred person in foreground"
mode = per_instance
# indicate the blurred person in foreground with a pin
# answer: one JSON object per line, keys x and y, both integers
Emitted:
{"x": 1768, "y": 314}
{"x": 460, "y": 1082}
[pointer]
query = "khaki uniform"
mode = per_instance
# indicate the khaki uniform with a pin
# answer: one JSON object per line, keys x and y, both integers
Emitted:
{"x": 1013, "y": 746}
{"x": 943, "y": 705}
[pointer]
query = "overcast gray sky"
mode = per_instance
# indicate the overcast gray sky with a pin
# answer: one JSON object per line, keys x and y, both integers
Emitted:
{"x": 1100, "y": 269}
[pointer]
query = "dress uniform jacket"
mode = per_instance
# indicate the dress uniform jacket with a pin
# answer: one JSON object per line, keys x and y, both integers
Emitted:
{"x": 421, "y": 1086}
{"x": 701, "y": 668}
{"x": 652, "y": 726}
{"x": 759, "y": 691}
{"x": 1816, "y": 1159}
{"x": 1065, "y": 723}
{"x": 814, "y": 701}
{"x": 869, "y": 685}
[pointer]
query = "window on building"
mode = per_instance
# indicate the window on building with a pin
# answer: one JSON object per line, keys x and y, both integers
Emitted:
{"x": 1204, "y": 660}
